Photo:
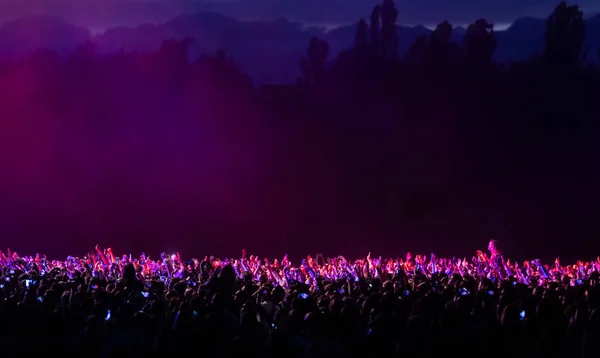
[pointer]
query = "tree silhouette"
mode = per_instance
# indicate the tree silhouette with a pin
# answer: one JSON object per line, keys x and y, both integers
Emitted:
{"x": 82, "y": 61}
{"x": 176, "y": 50}
{"x": 389, "y": 29}
{"x": 383, "y": 29}
{"x": 437, "y": 51}
{"x": 442, "y": 34}
{"x": 87, "y": 49}
{"x": 224, "y": 67}
{"x": 565, "y": 33}
{"x": 375, "y": 30}
{"x": 361, "y": 39}
{"x": 313, "y": 65}
{"x": 481, "y": 43}
{"x": 418, "y": 53}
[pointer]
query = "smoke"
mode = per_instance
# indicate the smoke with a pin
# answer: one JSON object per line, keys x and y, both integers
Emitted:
{"x": 117, "y": 155}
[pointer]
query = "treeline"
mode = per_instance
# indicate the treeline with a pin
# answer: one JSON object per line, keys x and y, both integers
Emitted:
{"x": 443, "y": 138}
{"x": 440, "y": 144}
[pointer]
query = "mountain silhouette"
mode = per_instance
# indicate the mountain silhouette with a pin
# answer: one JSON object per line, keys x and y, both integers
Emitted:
{"x": 267, "y": 50}
{"x": 40, "y": 32}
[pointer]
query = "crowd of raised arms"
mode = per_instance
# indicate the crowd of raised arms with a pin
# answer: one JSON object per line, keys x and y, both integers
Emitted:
{"x": 107, "y": 306}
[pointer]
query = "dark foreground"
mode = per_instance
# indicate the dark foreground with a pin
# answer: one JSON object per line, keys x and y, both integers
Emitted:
{"x": 105, "y": 306}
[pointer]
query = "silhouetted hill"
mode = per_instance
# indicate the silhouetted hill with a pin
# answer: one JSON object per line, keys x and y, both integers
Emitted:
{"x": 32, "y": 33}
{"x": 526, "y": 38}
{"x": 268, "y": 50}
{"x": 343, "y": 37}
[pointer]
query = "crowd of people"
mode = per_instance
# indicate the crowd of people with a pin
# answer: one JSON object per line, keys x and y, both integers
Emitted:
{"x": 106, "y": 305}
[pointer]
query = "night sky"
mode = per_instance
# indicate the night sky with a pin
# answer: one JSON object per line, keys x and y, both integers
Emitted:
{"x": 98, "y": 14}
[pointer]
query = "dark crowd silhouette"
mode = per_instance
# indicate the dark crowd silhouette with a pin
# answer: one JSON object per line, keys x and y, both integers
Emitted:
{"x": 106, "y": 305}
